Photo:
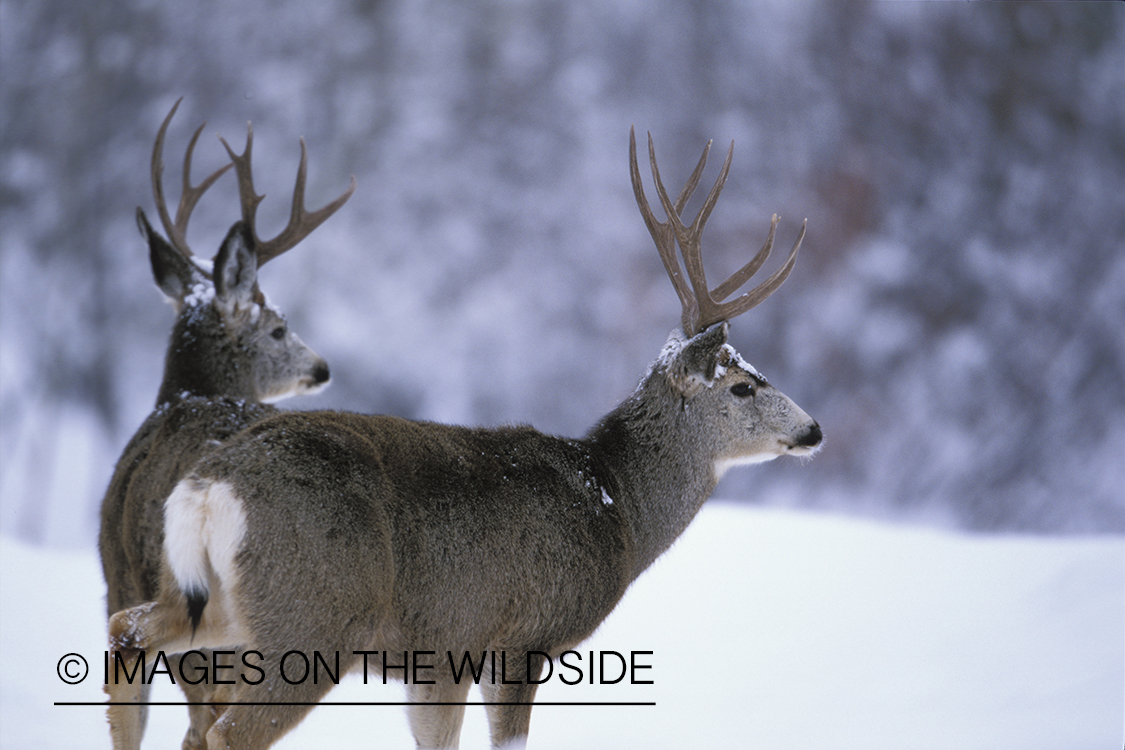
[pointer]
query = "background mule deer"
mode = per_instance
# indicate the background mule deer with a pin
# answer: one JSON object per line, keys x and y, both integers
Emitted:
{"x": 338, "y": 532}
{"x": 229, "y": 352}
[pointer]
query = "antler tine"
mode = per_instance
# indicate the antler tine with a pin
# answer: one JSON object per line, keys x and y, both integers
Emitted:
{"x": 758, "y": 294}
{"x": 177, "y": 231}
{"x": 301, "y": 221}
{"x": 157, "y": 181}
{"x": 663, "y": 234}
{"x": 742, "y": 275}
{"x": 248, "y": 199}
{"x": 693, "y": 180}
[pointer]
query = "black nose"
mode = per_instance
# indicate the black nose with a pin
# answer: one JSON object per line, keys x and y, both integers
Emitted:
{"x": 811, "y": 438}
{"x": 320, "y": 373}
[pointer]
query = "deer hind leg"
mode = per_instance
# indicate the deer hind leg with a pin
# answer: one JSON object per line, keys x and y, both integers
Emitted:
{"x": 200, "y": 717}
{"x": 437, "y": 727}
{"x": 259, "y": 720}
{"x": 509, "y": 704}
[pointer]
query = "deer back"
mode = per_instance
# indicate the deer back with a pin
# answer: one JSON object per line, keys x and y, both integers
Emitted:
{"x": 379, "y": 496}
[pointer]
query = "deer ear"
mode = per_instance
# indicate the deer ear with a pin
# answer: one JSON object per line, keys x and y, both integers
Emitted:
{"x": 173, "y": 273}
{"x": 236, "y": 270}
{"x": 697, "y": 364}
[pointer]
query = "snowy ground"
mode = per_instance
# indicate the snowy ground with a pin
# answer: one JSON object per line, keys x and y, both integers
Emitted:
{"x": 768, "y": 630}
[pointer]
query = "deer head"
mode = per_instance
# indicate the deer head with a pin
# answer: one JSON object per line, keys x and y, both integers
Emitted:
{"x": 698, "y": 357}
{"x": 227, "y": 339}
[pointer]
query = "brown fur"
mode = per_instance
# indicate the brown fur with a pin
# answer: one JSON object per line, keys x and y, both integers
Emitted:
{"x": 377, "y": 533}
{"x": 227, "y": 352}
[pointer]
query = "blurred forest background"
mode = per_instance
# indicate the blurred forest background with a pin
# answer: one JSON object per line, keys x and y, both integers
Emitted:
{"x": 955, "y": 321}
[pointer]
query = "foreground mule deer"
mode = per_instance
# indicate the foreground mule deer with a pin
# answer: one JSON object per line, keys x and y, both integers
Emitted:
{"x": 229, "y": 352}
{"x": 340, "y": 533}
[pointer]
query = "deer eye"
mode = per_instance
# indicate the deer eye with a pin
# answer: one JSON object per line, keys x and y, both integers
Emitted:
{"x": 278, "y": 333}
{"x": 742, "y": 390}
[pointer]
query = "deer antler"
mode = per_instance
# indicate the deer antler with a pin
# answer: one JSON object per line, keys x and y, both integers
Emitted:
{"x": 177, "y": 232}
{"x": 301, "y": 221}
{"x": 702, "y": 307}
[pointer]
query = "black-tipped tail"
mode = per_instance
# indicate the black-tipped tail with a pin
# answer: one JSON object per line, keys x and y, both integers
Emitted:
{"x": 196, "y": 601}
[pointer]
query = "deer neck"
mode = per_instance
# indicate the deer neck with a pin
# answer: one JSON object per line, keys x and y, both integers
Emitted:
{"x": 656, "y": 468}
{"x": 204, "y": 360}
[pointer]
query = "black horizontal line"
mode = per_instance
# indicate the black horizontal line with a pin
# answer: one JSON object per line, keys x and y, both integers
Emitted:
{"x": 354, "y": 703}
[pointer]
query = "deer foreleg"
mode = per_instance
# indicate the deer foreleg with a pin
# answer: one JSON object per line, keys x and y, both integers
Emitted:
{"x": 509, "y": 703}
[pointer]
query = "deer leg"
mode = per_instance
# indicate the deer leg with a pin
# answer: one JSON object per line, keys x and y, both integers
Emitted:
{"x": 200, "y": 717}
{"x": 131, "y": 632}
{"x": 127, "y": 719}
{"x": 437, "y": 726}
{"x": 259, "y": 720}
{"x": 508, "y": 700}
{"x": 205, "y": 694}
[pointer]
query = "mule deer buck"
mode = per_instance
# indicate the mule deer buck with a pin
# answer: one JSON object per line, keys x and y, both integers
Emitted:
{"x": 229, "y": 352}
{"x": 343, "y": 533}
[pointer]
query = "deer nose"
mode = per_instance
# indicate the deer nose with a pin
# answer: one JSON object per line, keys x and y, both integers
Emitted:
{"x": 812, "y": 437}
{"x": 320, "y": 372}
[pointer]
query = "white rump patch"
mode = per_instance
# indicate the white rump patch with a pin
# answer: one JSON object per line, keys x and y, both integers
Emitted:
{"x": 204, "y": 523}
